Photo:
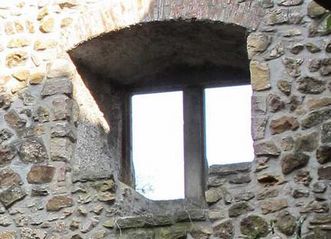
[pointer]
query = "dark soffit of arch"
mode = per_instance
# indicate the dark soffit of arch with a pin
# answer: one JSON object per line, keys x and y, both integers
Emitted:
{"x": 151, "y": 53}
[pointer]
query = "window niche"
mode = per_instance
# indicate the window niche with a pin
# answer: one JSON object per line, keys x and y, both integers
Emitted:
{"x": 161, "y": 57}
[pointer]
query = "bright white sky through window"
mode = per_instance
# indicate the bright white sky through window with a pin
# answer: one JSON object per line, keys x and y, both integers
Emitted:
{"x": 157, "y": 145}
{"x": 157, "y": 137}
{"x": 228, "y": 125}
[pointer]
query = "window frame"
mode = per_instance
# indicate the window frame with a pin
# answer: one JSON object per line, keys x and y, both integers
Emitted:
{"x": 195, "y": 162}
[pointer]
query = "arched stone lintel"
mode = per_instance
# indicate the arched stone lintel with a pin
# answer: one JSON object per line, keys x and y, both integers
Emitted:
{"x": 108, "y": 16}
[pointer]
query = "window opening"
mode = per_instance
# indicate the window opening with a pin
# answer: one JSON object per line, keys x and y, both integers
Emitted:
{"x": 228, "y": 125}
{"x": 157, "y": 144}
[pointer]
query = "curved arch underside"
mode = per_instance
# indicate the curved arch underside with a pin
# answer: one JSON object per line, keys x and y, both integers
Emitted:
{"x": 149, "y": 53}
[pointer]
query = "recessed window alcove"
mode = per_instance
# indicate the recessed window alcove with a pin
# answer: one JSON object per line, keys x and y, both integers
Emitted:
{"x": 185, "y": 56}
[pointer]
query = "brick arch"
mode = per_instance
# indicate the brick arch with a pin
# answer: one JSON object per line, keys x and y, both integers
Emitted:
{"x": 107, "y": 16}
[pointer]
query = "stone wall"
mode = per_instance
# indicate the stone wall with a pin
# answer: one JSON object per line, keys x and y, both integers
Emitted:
{"x": 59, "y": 177}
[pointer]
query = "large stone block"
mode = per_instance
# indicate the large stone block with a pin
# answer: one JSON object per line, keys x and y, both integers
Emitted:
{"x": 315, "y": 118}
{"x": 260, "y": 76}
{"x": 32, "y": 150}
{"x": 213, "y": 195}
{"x": 14, "y": 120}
{"x": 41, "y": 174}
{"x": 239, "y": 209}
{"x": 92, "y": 159}
{"x": 8, "y": 178}
{"x": 326, "y": 133}
{"x": 306, "y": 143}
{"x": 283, "y": 124}
{"x": 60, "y": 68}
{"x": 273, "y": 205}
{"x": 63, "y": 129}
{"x": 286, "y": 223}
{"x": 310, "y": 85}
{"x": 16, "y": 58}
{"x": 61, "y": 149}
{"x": 56, "y": 203}
{"x": 11, "y": 195}
{"x": 62, "y": 108}
{"x": 254, "y": 226}
{"x": 266, "y": 148}
{"x": 290, "y": 162}
{"x": 57, "y": 86}
{"x": 8, "y": 235}
{"x": 323, "y": 154}
{"x": 224, "y": 229}
{"x": 324, "y": 173}
{"x": 7, "y": 154}
{"x": 256, "y": 43}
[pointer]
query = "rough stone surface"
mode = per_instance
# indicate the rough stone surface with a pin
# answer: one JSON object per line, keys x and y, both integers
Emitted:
{"x": 286, "y": 223}
{"x": 283, "y": 124}
{"x": 258, "y": 127}
{"x": 41, "y": 174}
{"x": 8, "y": 178}
{"x": 326, "y": 133}
{"x": 306, "y": 143}
{"x": 61, "y": 149}
{"x": 7, "y": 154}
{"x": 56, "y": 203}
{"x": 62, "y": 108}
{"x": 57, "y": 86}
{"x": 213, "y": 195}
{"x": 323, "y": 154}
{"x": 239, "y": 208}
{"x": 287, "y": 143}
{"x": 312, "y": 48}
{"x": 315, "y": 206}
{"x": 292, "y": 66}
{"x": 41, "y": 114}
{"x": 303, "y": 177}
{"x": 316, "y": 117}
{"x": 310, "y": 85}
{"x": 16, "y": 59}
{"x": 32, "y": 150}
{"x": 240, "y": 179}
{"x": 300, "y": 193}
{"x": 254, "y": 226}
{"x": 277, "y": 17}
{"x": 290, "y": 162}
{"x": 314, "y": 104}
{"x": 63, "y": 129}
{"x": 314, "y": 10}
{"x": 224, "y": 229}
{"x": 275, "y": 103}
{"x": 266, "y": 148}
{"x": 60, "y": 68}
{"x": 90, "y": 142}
{"x": 267, "y": 193}
{"x": 257, "y": 43}
{"x": 319, "y": 187}
{"x": 36, "y": 78}
{"x": 7, "y": 235}
{"x": 224, "y": 170}
{"x": 11, "y": 195}
{"x": 273, "y": 205}
{"x": 324, "y": 173}
{"x": 260, "y": 76}
{"x": 284, "y": 86}
{"x": 14, "y": 120}
{"x": 47, "y": 25}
